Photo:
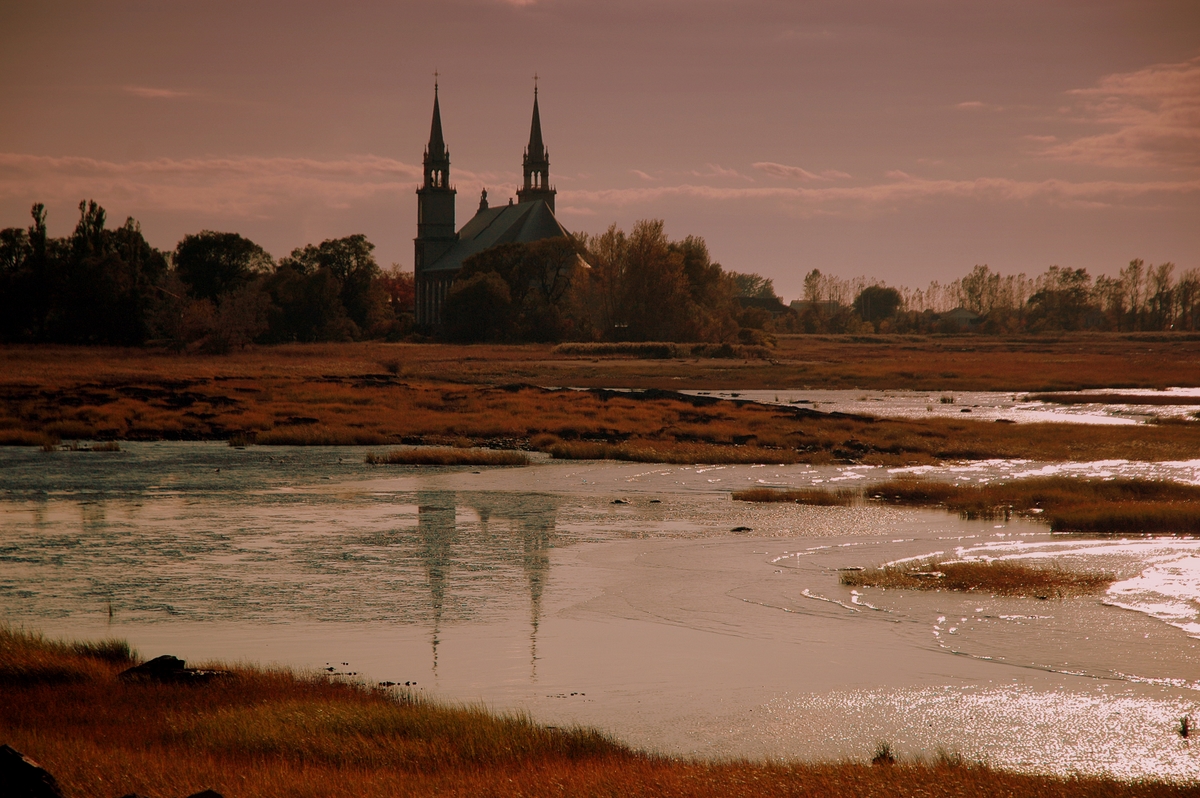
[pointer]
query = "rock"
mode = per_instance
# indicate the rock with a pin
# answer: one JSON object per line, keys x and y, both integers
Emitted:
{"x": 206, "y": 794}
{"x": 741, "y": 529}
{"x": 619, "y": 501}
{"x": 21, "y": 777}
{"x": 169, "y": 669}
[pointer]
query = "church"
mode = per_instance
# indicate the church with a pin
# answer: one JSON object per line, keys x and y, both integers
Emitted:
{"x": 440, "y": 251}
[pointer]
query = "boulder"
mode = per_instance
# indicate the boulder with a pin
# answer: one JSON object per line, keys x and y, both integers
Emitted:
{"x": 206, "y": 794}
{"x": 24, "y": 778}
{"x": 169, "y": 669}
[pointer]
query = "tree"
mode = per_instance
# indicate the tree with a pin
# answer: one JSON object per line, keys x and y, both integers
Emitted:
{"x": 351, "y": 266}
{"x": 477, "y": 308}
{"x": 877, "y": 302}
{"x": 753, "y": 285}
{"x": 214, "y": 264}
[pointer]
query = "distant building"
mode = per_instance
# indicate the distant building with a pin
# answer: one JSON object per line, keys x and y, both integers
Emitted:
{"x": 960, "y": 319}
{"x": 826, "y": 307}
{"x": 440, "y": 251}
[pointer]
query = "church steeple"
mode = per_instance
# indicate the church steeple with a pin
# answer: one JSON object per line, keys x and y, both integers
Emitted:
{"x": 437, "y": 157}
{"x": 435, "y": 218}
{"x": 536, "y": 162}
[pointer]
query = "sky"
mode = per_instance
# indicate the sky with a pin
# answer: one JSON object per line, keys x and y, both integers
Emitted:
{"x": 905, "y": 140}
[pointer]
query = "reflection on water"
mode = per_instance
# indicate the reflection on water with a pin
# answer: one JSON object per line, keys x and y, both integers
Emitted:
{"x": 612, "y": 594}
{"x": 526, "y": 542}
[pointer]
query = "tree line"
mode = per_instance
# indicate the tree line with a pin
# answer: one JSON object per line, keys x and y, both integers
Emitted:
{"x": 214, "y": 292}
{"x": 217, "y": 291}
{"x": 1142, "y": 297}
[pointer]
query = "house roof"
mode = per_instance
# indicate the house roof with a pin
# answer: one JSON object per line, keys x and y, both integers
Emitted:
{"x": 504, "y": 224}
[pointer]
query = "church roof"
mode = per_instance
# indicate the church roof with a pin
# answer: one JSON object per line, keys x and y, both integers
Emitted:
{"x": 503, "y": 224}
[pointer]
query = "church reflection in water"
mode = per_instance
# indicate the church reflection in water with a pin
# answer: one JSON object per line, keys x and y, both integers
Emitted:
{"x": 513, "y": 530}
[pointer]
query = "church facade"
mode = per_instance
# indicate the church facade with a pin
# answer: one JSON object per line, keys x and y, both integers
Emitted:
{"x": 441, "y": 250}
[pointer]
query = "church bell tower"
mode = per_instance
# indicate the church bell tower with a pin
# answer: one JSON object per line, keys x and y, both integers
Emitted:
{"x": 435, "y": 220}
{"x": 537, "y": 163}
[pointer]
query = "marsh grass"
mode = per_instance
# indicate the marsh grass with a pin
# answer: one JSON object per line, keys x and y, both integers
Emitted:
{"x": 449, "y": 456}
{"x": 666, "y": 451}
{"x": 269, "y": 733}
{"x": 661, "y": 350}
{"x": 995, "y": 577}
{"x": 1115, "y": 507}
{"x": 338, "y": 395}
{"x": 814, "y": 496}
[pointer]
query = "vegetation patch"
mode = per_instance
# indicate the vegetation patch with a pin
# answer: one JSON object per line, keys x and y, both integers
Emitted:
{"x": 662, "y": 350}
{"x": 995, "y": 577}
{"x": 447, "y": 456}
{"x": 813, "y": 496}
{"x": 267, "y": 733}
{"x": 1116, "y": 506}
{"x": 648, "y": 451}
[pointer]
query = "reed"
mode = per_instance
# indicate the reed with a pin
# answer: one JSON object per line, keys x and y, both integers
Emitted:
{"x": 995, "y": 577}
{"x": 449, "y": 456}
{"x": 813, "y": 496}
{"x": 666, "y": 451}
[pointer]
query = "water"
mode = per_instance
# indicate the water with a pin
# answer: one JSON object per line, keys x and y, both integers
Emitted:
{"x": 530, "y": 588}
{"x": 1171, "y": 403}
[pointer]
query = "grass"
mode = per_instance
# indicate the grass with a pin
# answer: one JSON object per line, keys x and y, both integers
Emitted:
{"x": 446, "y": 456}
{"x": 995, "y": 577}
{"x": 665, "y": 451}
{"x": 813, "y": 496}
{"x": 1067, "y": 504}
{"x": 273, "y": 732}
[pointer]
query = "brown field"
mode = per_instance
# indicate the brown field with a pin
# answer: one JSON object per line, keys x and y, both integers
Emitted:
{"x": 380, "y": 394}
{"x": 1117, "y": 506}
{"x": 261, "y": 733}
{"x": 999, "y": 578}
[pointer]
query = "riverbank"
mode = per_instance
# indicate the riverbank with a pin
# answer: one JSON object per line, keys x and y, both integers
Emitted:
{"x": 251, "y": 732}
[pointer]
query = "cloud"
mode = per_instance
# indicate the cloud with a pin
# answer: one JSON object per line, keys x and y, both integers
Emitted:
{"x": 1152, "y": 118}
{"x": 900, "y": 191}
{"x": 640, "y": 174}
{"x": 149, "y": 93}
{"x": 243, "y": 186}
{"x": 716, "y": 170}
{"x": 796, "y": 172}
{"x": 972, "y": 105}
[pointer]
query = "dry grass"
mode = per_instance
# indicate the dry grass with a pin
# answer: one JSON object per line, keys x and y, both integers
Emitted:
{"x": 272, "y": 733}
{"x": 995, "y": 577}
{"x": 813, "y": 496}
{"x": 1067, "y": 504}
{"x": 445, "y": 456}
{"x": 376, "y": 394}
{"x": 665, "y": 451}
{"x": 1117, "y": 506}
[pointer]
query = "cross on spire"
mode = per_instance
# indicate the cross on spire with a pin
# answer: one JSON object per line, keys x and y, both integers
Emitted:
{"x": 435, "y": 81}
{"x": 535, "y": 80}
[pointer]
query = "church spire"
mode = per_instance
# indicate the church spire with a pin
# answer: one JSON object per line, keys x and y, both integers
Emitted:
{"x": 536, "y": 150}
{"x": 536, "y": 162}
{"x": 437, "y": 144}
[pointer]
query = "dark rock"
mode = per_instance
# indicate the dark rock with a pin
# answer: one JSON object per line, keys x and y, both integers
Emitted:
{"x": 169, "y": 669}
{"x": 741, "y": 529}
{"x": 21, "y": 777}
{"x": 206, "y": 794}
{"x": 619, "y": 501}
